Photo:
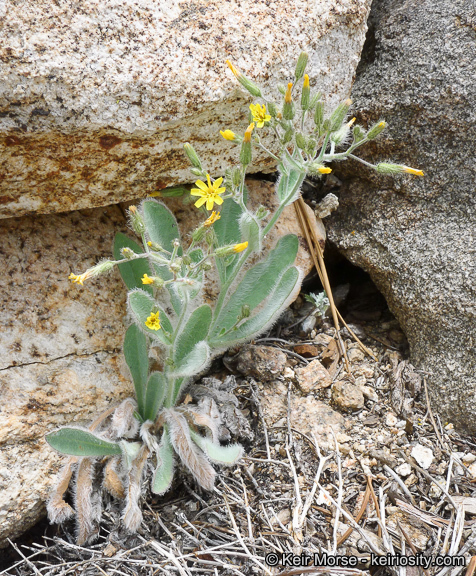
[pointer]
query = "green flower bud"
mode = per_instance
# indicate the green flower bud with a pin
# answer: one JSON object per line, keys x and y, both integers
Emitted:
{"x": 170, "y": 192}
{"x": 319, "y": 114}
{"x": 376, "y": 130}
{"x": 154, "y": 246}
{"x": 358, "y": 133}
{"x": 339, "y": 114}
{"x": 301, "y": 65}
{"x": 127, "y": 253}
{"x": 175, "y": 266}
{"x": 192, "y": 156}
{"x": 245, "y": 154}
{"x": 288, "y": 135}
{"x": 236, "y": 177}
{"x": 273, "y": 111}
{"x": 252, "y": 88}
{"x": 186, "y": 260}
{"x": 136, "y": 220}
{"x": 314, "y": 100}
{"x": 261, "y": 213}
{"x": 326, "y": 125}
{"x": 384, "y": 168}
{"x": 197, "y": 172}
{"x": 306, "y": 93}
{"x": 317, "y": 169}
{"x": 205, "y": 266}
{"x": 282, "y": 89}
{"x": 245, "y": 311}
{"x": 300, "y": 141}
{"x": 311, "y": 146}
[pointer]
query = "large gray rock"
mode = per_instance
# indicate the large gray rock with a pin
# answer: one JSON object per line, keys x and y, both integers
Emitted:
{"x": 97, "y": 97}
{"x": 416, "y": 236}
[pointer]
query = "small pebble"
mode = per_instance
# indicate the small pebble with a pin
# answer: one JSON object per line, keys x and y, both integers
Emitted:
{"x": 390, "y": 420}
{"x": 468, "y": 458}
{"x": 423, "y": 456}
{"x": 404, "y": 470}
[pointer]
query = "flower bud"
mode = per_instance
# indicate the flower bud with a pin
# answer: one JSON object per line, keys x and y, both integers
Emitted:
{"x": 245, "y": 311}
{"x": 261, "y": 213}
{"x": 301, "y": 65}
{"x": 223, "y": 251}
{"x": 100, "y": 268}
{"x": 316, "y": 169}
{"x": 175, "y": 266}
{"x": 236, "y": 177}
{"x": 376, "y": 130}
{"x": 314, "y": 100}
{"x": 153, "y": 280}
{"x": 127, "y": 253}
{"x": 136, "y": 220}
{"x": 319, "y": 114}
{"x": 186, "y": 260}
{"x": 197, "y": 171}
{"x": 300, "y": 141}
{"x": 192, "y": 156}
{"x": 358, "y": 133}
{"x": 384, "y": 168}
{"x": 252, "y": 88}
{"x": 339, "y": 114}
{"x": 205, "y": 266}
{"x": 154, "y": 246}
{"x": 311, "y": 146}
{"x": 288, "y": 107}
{"x": 288, "y": 135}
{"x": 306, "y": 93}
{"x": 272, "y": 109}
{"x": 245, "y": 154}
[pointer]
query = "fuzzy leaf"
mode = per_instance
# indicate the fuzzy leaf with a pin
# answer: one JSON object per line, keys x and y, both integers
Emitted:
{"x": 132, "y": 271}
{"x": 76, "y": 442}
{"x": 142, "y": 305}
{"x": 257, "y": 284}
{"x": 281, "y": 296}
{"x": 155, "y": 395}
{"x": 193, "y": 331}
{"x": 217, "y": 453}
{"x": 160, "y": 223}
{"x": 164, "y": 473}
{"x": 195, "y": 361}
{"x": 136, "y": 355}
{"x": 227, "y": 231}
{"x": 291, "y": 179}
{"x": 162, "y": 229}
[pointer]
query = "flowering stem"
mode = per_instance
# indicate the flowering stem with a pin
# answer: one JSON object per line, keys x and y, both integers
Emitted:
{"x": 362, "y": 161}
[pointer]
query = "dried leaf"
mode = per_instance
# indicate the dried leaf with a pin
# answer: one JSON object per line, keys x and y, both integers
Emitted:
{"x": 193, "y": 458}
{"x": 132, "y": 515}
{"x": 112, "y": 481}
{"x": 58, "y": 510}
{"x": 124, "y": 423}
{"x": 85, "y": 513}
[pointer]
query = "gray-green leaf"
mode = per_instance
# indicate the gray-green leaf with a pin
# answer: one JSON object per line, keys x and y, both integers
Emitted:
{"x": 133, "y": 271}
{"x": 135, "y": 353}
{"x": 164, "y": 473}
{"x": 76, "y": 442}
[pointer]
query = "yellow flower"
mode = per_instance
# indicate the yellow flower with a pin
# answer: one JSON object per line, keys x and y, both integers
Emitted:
{"x": 306, "y": 81}
{"x": 78, "y": 279}
{"x": 259, "y": 114}
{"x": 248, "y": 132}
{"x": 240, "y": 247}
{"x": 147, "y": 279}
{"x": 349, "y": 124}
{"x": 324, "y": 170}
{"x": 209, "y": 193}
{"x": 228, "y": 135}
{"x": 214, "y": 216}
{"x": 412, "y": 171}
{"x": 153, "y": 321}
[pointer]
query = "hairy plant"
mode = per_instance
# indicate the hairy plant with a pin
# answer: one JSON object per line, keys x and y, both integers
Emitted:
{"x": 164, "y": 274}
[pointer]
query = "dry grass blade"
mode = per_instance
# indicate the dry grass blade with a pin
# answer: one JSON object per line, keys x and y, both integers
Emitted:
{"x": 430, "y": 519}
{"x": 358, "y": 518}
{"x": 471, "y": 567}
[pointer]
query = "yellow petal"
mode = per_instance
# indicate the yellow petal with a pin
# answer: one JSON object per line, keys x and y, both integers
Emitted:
{"x": 196, "y": 192}
{"x": 200, "y": 202}
{"x": 218, "y": 200}
{"x": 201, "y": 185}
